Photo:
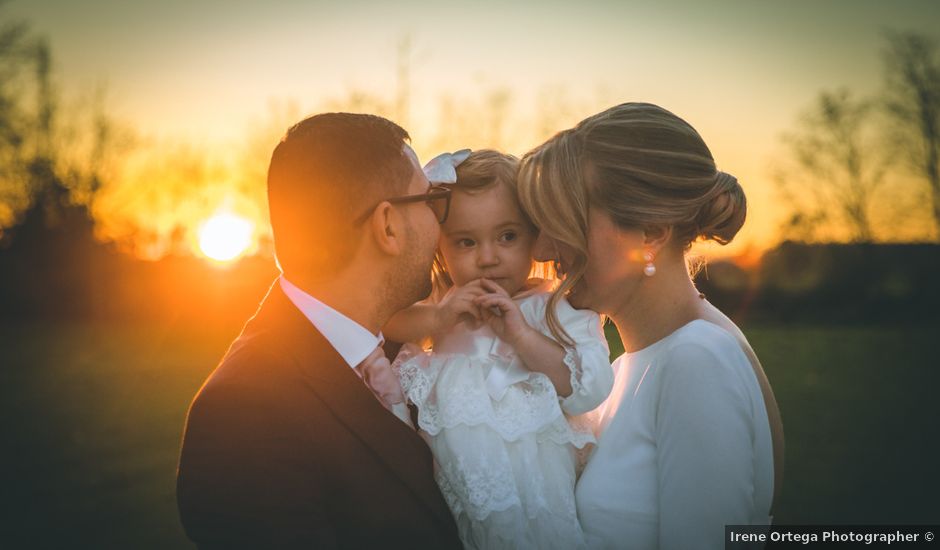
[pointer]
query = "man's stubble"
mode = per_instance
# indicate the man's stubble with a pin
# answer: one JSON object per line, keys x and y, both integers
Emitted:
{"x": 411, "y": 279}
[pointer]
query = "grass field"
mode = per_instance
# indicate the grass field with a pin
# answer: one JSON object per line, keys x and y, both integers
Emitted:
{"x": 92, "y": 416}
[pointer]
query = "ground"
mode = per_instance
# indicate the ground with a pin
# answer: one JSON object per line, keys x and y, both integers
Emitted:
{"x": 92, "y": 415}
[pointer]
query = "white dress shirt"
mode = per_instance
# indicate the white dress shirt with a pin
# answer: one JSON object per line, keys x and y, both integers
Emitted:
{"x": 351, "y": 340}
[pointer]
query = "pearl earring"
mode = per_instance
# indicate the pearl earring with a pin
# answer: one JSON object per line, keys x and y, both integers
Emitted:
{"x": 650, "y": 269}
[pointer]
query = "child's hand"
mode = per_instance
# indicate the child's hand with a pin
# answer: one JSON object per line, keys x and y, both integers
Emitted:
{"x": 501, "y": 313}
{"x": 458, "y": 305}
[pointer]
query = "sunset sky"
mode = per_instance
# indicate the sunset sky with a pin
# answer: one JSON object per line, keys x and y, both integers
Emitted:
{"x": 739, "y": 71}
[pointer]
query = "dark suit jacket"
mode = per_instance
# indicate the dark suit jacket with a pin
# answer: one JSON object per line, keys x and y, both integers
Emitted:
{"x": 285, "y": 447}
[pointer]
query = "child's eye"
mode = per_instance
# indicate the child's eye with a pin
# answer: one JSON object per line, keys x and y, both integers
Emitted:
{"x": 508, "y": 236}
{"x": 465, "y": 243}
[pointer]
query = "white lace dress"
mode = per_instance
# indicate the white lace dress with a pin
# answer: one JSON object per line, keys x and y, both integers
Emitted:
{"x": 505, "y": 451}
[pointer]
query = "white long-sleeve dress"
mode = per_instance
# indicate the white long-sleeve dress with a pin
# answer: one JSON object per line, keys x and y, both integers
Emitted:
{"x": 505, "y": 451}
{"x": 684, "y": 447}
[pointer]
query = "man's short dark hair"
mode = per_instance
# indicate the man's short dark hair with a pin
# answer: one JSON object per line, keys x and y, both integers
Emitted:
{"x": 327, "y": 171}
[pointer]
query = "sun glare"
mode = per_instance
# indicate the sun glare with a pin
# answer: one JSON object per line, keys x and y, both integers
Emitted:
{"x": 224, "y": 237}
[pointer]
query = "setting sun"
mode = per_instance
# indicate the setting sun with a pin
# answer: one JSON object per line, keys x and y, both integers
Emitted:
{"x": 224, "y": 237}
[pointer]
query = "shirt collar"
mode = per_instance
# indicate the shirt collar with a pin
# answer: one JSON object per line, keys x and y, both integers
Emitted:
{"x": 350, "y": 339}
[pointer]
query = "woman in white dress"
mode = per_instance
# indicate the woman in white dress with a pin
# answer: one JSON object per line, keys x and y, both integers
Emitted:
{"x": 690, "y": 439}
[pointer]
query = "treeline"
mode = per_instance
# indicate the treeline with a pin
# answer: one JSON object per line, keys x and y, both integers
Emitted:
{"x": 830, "y": 283}
{"x": 61, "y": 273}
{"x": 71, "y": 276}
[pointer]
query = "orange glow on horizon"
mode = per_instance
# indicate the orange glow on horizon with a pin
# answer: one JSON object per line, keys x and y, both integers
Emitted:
{"x": 225, "y": 237}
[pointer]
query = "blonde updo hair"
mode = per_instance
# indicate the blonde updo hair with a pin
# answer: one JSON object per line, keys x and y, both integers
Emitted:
{"x": 641, "y": 164}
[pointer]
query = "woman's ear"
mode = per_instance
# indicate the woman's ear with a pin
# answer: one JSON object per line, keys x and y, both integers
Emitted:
{"x": 386, "y": 229}
{"x": 656, "y": 237}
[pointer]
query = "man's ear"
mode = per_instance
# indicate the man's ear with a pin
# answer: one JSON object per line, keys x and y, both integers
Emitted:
{"x": 386, "y": 228}
{"x": 656, "y": 237}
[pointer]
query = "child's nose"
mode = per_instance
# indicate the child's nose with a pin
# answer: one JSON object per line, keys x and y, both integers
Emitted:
{"x": 486, "y": 256}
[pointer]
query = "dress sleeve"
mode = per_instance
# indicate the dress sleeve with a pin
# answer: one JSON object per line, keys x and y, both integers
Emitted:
{"x": 705, "y": 455}
{"x": 588, "y": 359}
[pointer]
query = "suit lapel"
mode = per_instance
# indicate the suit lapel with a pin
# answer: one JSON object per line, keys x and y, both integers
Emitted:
{"x": 395, "y": 443}
{"x": 346, "y": 395}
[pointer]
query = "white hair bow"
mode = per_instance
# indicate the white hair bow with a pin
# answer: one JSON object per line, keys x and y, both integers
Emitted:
{"x": 443, "y": 167}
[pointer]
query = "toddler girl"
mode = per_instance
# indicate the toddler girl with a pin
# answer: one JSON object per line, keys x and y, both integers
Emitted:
{"x": 493, "y": 392}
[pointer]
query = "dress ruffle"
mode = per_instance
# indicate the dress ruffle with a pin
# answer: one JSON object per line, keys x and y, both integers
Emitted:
{"x": 450, "y": 390}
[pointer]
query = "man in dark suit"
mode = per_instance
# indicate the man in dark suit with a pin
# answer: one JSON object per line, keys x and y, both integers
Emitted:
{"x": 287, "y": 444}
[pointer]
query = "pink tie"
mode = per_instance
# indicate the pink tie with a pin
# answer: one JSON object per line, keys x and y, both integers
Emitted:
{"x": 378, "y": 376}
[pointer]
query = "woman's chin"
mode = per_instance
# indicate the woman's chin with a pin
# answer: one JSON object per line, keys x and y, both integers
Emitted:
{"x": 578, "y": 298}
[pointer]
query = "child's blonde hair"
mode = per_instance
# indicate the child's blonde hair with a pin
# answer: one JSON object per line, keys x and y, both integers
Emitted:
{"x": 483, "y": 170}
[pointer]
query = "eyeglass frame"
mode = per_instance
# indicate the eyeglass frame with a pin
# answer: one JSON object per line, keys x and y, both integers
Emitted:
{"x": 444, "y": 191}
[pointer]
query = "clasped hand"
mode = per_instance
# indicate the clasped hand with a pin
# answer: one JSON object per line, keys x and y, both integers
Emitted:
{"x": 483, "y": 301}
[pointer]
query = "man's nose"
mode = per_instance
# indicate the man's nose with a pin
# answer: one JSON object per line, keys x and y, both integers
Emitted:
{"x": 543, "y": 251}
{"x": 487, "y": 256}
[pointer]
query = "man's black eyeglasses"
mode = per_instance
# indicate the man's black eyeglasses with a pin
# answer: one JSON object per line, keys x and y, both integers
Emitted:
{"x": 437, "y": 197}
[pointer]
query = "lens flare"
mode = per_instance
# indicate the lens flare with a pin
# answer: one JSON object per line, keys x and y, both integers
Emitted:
{"x": 224, "y": 237}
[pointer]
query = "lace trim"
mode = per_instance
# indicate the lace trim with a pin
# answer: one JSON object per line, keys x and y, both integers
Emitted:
{"x": 529, "y": 407}
{"x": 509, "y": 498}
{"x": 573, "y": 362}
{"x": 483, "y": 479}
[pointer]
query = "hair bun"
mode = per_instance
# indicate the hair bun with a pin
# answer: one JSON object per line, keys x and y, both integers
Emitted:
{"x": 724, "y": 210}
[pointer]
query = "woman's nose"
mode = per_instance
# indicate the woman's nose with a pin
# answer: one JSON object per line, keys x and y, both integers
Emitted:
{"x": 544, "y": 251}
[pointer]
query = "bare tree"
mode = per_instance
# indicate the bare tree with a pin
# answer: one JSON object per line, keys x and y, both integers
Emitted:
{"x": 45, "y": 183}
{"x": 51, "y": 159}
{"x": 837, "y": 165}
{"x": 912, "y": 98}
{"x": 91, "y": 146}
{"x": 16, "y": 83}
{"x": 28, "y": 109}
